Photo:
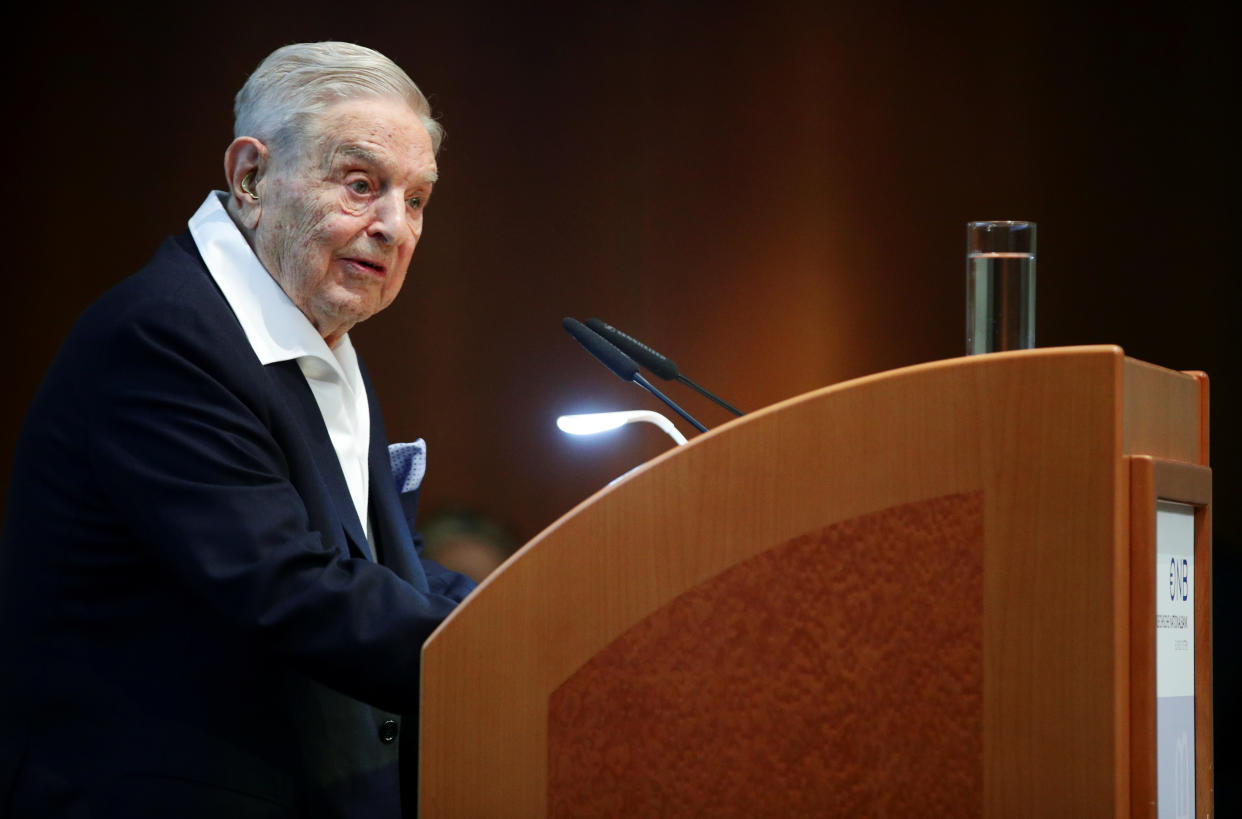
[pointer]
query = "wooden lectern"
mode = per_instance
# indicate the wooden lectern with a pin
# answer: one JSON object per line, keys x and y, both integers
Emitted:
{"x": 928, "y": 592}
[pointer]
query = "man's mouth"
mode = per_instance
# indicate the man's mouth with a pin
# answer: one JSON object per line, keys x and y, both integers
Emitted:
{"x": 367, "y": 265}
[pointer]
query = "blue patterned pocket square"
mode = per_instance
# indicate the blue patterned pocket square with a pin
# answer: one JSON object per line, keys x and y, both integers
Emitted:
{"x": 409, "y": 462}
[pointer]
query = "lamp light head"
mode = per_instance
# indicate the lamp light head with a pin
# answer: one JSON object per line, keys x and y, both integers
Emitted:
{"x": 595, "y": 422}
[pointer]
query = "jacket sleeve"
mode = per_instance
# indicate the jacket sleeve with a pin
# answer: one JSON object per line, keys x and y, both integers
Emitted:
{"x": 447, "y": 582}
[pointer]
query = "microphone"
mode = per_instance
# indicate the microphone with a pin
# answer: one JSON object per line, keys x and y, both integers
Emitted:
{"x": 660, "y": 365}
{"x": 621, "y": 364}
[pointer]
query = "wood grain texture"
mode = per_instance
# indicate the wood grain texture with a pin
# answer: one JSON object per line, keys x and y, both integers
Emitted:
{"x": 1205, "y": 688}
{"x": 1039, "y": 435}
{"x": 1205, "y": 722}
{"x": 1153, "y": 479}
{"x": 1205, "y": 438}
{"x": 1163, "y": 415}
{"x": 1142, "y": 636}
{"x": 715, "y": 701}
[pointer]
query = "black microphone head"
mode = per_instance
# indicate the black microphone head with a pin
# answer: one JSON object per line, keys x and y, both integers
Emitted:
{"x": 660, "y": 365}
{"x": 603, "y": 350}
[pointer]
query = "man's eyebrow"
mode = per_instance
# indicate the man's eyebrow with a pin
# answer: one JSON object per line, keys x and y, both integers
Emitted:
{"x": 366, "y": 155}
{"x": 358, "y": 152}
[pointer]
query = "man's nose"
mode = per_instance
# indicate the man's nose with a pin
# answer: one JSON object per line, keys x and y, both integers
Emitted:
{"x": 390, "y": 223}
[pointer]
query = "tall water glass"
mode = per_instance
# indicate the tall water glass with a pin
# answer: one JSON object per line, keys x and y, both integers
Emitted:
{"x": 1000, "y": 286}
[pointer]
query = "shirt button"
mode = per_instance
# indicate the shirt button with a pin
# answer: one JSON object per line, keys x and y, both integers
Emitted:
{"x": 389, "y": 730}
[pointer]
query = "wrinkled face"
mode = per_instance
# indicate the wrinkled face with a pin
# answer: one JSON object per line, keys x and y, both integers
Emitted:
{"x": 342, "y": 212}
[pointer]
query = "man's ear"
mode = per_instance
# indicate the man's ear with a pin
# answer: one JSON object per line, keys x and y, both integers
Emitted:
{"x": 245, "y": 162}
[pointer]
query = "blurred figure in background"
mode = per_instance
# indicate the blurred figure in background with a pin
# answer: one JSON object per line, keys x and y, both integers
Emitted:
{"x": 464, "y": 540}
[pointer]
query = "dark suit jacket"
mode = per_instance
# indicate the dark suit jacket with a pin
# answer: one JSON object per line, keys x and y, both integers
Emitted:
{"x": 190, "y": 625}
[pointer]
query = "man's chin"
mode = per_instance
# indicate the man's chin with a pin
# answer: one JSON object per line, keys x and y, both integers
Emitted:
{"x": 345, "y": 313}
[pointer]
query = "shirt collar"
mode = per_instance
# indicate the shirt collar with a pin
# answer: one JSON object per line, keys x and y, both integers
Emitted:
{"x": 274, "y": 326}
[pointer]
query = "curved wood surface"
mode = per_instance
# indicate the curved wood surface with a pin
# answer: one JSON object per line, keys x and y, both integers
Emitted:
{"x": 1037, "y": 438}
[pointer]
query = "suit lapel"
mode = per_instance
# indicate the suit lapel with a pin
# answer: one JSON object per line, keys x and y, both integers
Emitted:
{"x": 387, "y": 518}
{"x": 292, "y": 384}
{"x": 389, "y": 529}
{"x": 293, "y": 392}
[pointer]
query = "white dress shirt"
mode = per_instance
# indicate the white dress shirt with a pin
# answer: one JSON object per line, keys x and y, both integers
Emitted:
{"x": 278, "y": 331}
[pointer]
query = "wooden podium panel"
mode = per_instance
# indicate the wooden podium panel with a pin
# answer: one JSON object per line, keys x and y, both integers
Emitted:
{"x": 906, "y": 592}
{"x": 732, "y": 667}
{"x": 1153, "y": 480}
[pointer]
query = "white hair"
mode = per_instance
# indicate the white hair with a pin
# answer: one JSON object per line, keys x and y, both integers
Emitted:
{"x": 297, "y": 82}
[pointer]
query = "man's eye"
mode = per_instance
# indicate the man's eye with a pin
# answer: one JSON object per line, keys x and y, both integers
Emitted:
{"x": 415, "y": 202}
{"x": 360, "y": 186}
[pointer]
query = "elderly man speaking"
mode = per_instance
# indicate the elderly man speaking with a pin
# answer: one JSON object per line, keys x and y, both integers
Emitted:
{"x": 212, "y": 600}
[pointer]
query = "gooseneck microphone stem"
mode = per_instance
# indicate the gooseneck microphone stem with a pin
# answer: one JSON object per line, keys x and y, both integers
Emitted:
{"x": 621, "y": 364}
{"x": 709, "y": 395}
{"x": 658, "y": 363}
{"x": 647, "y": 385}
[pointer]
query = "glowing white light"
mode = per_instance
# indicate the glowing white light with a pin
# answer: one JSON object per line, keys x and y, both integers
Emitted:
{"x": 593, "y": 422}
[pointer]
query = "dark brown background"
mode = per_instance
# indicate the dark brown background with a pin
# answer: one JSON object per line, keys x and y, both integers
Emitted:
{"x": 772, "y": 193}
